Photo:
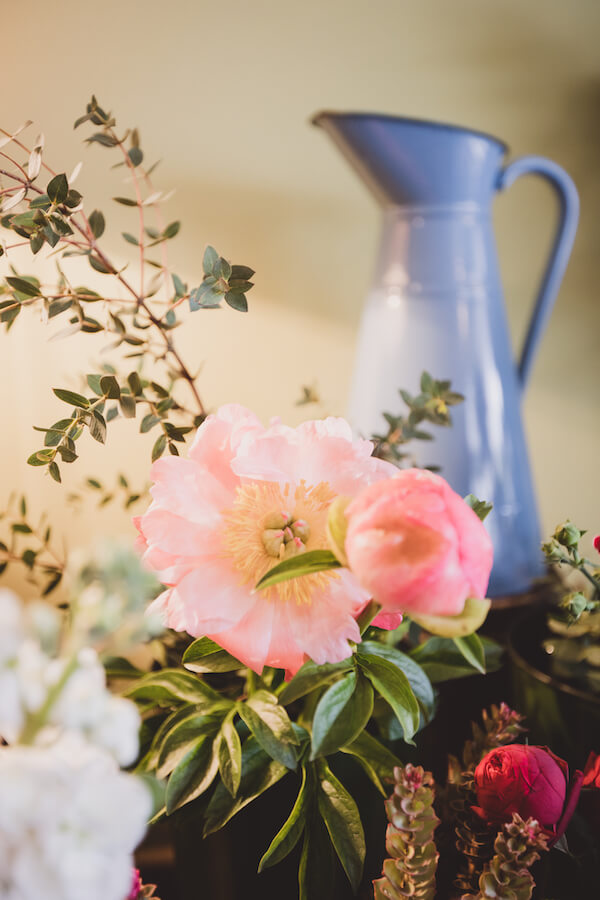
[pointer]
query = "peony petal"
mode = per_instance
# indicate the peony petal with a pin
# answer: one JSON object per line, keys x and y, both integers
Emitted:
{"x": 187, "y": 489}
{"x": 323, "y": 628}
{"x": 213, "y": 599}
{"x": 174, "y": 534}
{"x": 218, "y": 439}
{"x": 249, "y": 640}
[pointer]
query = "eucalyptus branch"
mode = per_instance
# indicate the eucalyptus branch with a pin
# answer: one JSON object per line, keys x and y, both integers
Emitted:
{"x": 56, "y": 217}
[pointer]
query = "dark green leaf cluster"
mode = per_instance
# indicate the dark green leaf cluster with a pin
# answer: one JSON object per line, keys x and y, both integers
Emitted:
{"x": 431, "y": 405}
{"x": 47, "y": 219}
{"x": 231, "y": 747}
{"x": 29, "y": 544}
{"x": 221, "y": 279}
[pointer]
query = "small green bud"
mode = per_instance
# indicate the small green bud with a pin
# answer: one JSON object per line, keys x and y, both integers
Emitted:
{"x": 568, "y": 535}
{"x": 575, "y": 604}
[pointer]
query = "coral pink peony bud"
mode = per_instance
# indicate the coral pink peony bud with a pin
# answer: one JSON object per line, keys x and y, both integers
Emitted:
{"x": 416, "y": 546}
{"x": 530, "y": 781}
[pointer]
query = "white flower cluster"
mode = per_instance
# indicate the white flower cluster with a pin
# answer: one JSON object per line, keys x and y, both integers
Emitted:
{"x": 69, "y": 822}
{"x": 69, "y": 818}
{"x": 27, "y": 674}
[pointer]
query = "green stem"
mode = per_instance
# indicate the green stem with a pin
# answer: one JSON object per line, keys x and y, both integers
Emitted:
{"x": 37, "y": 720}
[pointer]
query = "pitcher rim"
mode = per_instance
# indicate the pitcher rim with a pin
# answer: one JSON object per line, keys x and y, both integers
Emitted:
{"x": 412, "y": 120}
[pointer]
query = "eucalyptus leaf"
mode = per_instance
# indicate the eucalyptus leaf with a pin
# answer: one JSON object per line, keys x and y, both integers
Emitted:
{"x": 72, "y": 398}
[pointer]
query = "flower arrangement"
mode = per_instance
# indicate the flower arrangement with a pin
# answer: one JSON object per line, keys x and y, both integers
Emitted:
{"x": 314, "y": 591}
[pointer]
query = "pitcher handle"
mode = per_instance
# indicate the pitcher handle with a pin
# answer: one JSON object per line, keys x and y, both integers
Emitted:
{"x": 561, "y": 248}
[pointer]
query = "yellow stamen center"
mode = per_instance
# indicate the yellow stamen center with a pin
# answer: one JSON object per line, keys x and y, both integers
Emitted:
{"x": 268, "y": 523}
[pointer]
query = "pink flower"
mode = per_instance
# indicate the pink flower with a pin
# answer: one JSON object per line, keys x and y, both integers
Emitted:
{"x": 246, "y": 497}
{"x": 597, "y": 543}
{"x": 416, "y": 546}
{"x": 136, "y": 885}
{"x": 530, "y": 781}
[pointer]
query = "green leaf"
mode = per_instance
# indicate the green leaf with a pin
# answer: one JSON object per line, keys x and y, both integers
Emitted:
{"x": 244, "y": 273}
{"x": 94, "y": 384}
{"x": 209, "y": 260}
{"x": 183, "y": 737}
{"x": 130, "y": 238}
{"x": 135, "y": 384}
{"x": 419, "y": 681}
{"x": 481, "y": 508}
{"x": 341, "y": 714}
{"x": 128, "y": 405}
{"x": 394, "y": 686}
{"x": 340, "y": 814}
{"x": 173, "y": 684}
{"x": 24, "y": 287}
{"x": 316, "y": 870}
{"x": 97, "y": 223}
{"x": 271, "y": 726}
{"x": 136, "y": 156}
{"x": 98, "y": 264}
{"x": 230, "y": 755}
{"x": 58, "y": 188}
{"x": 236, "y": 301}
{"x": 442, "y": 660}
{"x": 377, "y": 761}
{"x": 67, "y": 455}
{"x": 110, "y": 387}
{"x": 289, "y": 834}
{"x": 72, "y": 398}
{"x": 171, "y": 230}
{"x": 21, "y": 528}
{"x": 97, "y": 426}
{"x": 303, "y": 564}
{"x": 159, "y": 447}
{"x": 472, "y": 650}
{"x": 125, "y": 201}
{"x": 105, "y": 140}
{"x": 179, "y": 286}
{"x": 148, "y": 422}
{"x": 206, "y": 656}
{"x": 259, "y": 772}
{"x": 310, "y": 677}
{"x": 40, "y": 458}
{"x": 54, "y": 471}
{"x": 193, "y": 775}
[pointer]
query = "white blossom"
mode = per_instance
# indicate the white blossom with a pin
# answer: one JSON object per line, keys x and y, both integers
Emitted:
{"x": 69, "y": 822}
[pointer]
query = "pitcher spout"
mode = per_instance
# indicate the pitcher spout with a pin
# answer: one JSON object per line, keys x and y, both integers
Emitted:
{"x": 415, "y": 162}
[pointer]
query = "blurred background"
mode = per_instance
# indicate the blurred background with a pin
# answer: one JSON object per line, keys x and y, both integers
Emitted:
{"x": 222, "y": 94}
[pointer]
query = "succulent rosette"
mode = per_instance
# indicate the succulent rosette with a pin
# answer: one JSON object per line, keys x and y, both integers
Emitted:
{"x": 246, "y": 498}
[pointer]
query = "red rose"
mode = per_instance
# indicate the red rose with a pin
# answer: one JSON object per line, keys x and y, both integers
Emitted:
{"x": 530, "y": 781}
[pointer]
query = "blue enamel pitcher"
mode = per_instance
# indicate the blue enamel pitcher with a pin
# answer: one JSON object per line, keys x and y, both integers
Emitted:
{"x": 436, "y": 304}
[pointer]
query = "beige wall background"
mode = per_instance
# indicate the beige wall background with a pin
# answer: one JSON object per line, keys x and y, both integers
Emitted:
{"x": 222, "y": 93}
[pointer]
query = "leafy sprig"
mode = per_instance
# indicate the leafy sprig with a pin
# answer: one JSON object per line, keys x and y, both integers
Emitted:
{"x": 28, "y": 542}
{"x": 431, "y": 405}
{"x": 138, "y": 318}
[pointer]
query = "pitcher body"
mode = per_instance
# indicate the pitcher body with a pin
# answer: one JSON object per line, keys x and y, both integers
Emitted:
{"x": 436, "y": 304}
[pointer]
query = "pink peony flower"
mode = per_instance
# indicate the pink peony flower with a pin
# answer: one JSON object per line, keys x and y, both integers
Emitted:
{"x": 531, "y": 781}
{"x": 246, "y": 497}
{"x": 416, "y": 546}
{"x": 597, "y": 543}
